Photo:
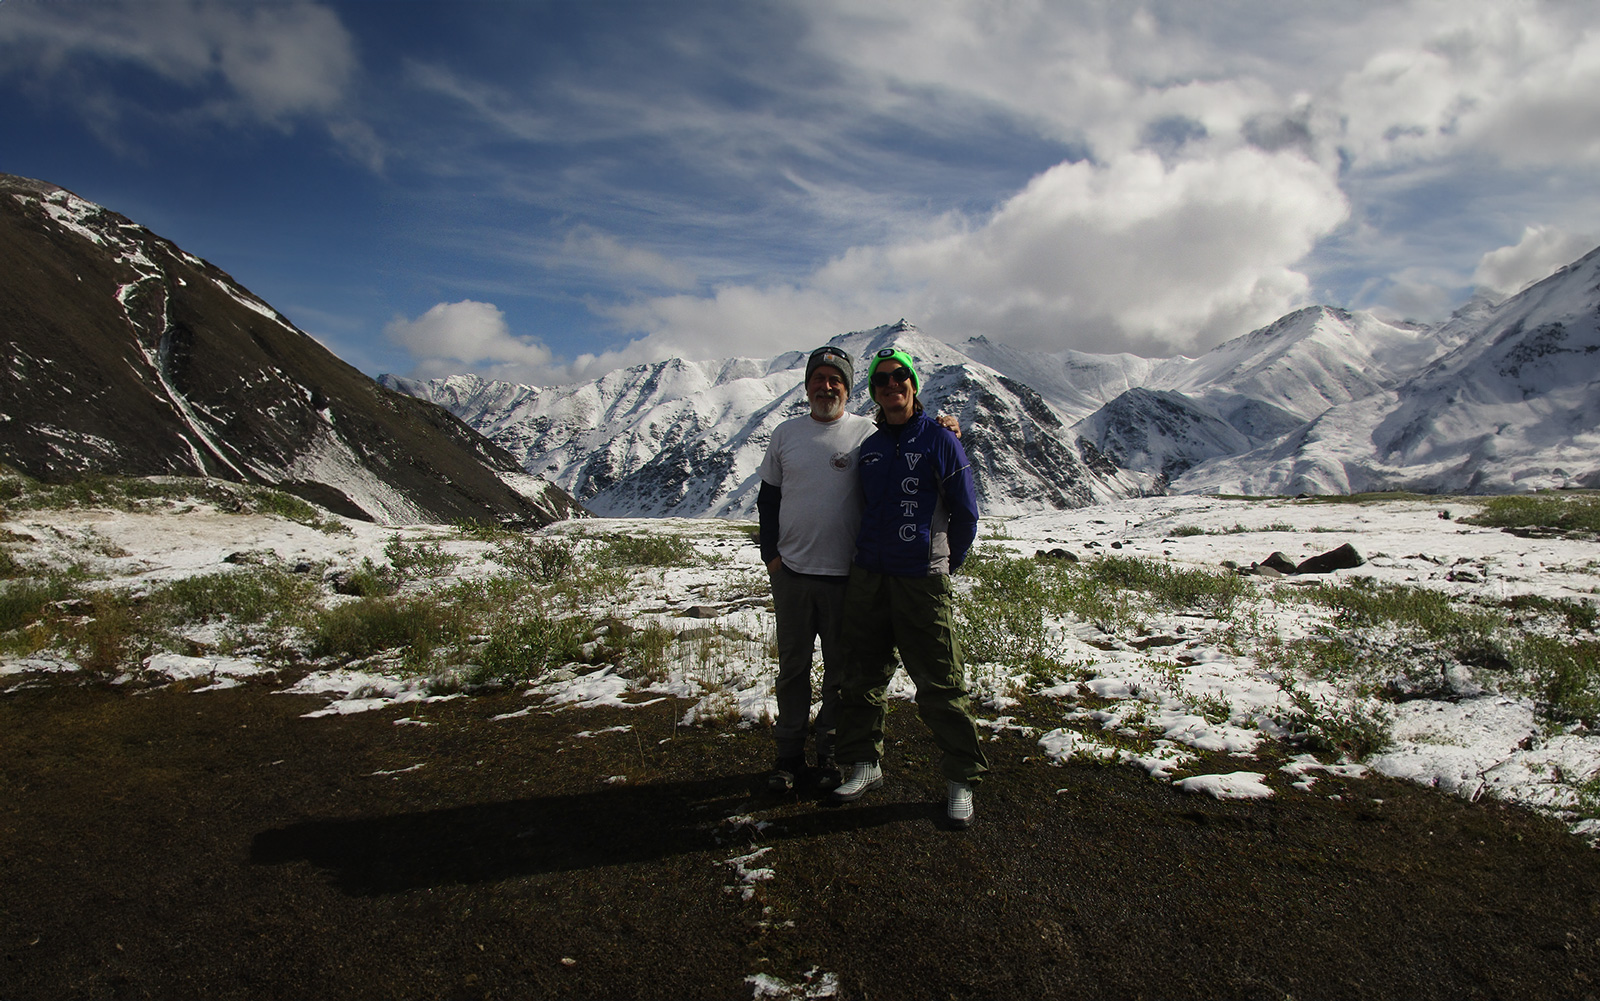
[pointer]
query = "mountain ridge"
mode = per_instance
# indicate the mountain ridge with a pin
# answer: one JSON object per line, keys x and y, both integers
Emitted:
{"x": 1322, "y": 400}
{"x": 126, "y": 355}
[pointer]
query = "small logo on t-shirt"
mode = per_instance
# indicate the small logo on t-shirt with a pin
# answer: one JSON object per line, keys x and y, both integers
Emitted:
{"x": 841, "y": 460}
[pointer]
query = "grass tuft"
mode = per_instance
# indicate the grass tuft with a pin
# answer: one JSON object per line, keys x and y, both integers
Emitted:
{"x": 361, "y": 628}
{"x": 523, "y": 649}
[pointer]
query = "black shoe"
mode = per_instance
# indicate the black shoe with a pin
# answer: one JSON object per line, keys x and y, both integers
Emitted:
{"x": 827, "y": 774}
{"x": 783, "y": 775}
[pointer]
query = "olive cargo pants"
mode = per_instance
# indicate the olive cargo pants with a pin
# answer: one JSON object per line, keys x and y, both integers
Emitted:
{"x": 884, "y": 612}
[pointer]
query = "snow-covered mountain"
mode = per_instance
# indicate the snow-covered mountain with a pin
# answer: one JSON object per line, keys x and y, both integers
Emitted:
{"x": 1256, "y": 388}
{"x": 1503, "y": 396}
{"x": 125, "y": 355}
{"x": 1514, "y": 405}
{"x": 686, "y": 438}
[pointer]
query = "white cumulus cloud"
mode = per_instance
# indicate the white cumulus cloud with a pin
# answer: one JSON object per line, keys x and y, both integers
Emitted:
{"x": 1536, "y": 256}
{"x": 1132, "y": 255}
{"x": 470, "y": 336}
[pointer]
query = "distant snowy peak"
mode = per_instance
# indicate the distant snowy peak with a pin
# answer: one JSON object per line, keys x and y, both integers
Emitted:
{"x": 686, "y": 438}
{"x": 1074, "y": 382}
{"x": 1503, "y": 396}
{"x": 1161, "y": 431}
{"x": 1514, "y": 405}
{"x": 1307, "y": 361}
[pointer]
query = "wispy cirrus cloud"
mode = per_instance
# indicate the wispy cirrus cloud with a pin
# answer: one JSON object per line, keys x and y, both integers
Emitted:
{"x": 556, "y": 188}
{"x": 272, "y": 65}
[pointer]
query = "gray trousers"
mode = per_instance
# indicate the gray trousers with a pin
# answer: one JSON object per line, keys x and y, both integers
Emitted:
{"x": 807, "y": 607}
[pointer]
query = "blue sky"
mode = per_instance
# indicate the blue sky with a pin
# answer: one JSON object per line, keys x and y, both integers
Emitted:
{"x": 545, "y": 191}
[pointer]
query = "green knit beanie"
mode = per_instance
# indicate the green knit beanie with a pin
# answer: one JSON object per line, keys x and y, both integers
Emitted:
{"x": 893, "y": 354}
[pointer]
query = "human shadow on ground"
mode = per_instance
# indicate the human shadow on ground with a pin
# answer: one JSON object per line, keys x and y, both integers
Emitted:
{"x": 491, "y": 841}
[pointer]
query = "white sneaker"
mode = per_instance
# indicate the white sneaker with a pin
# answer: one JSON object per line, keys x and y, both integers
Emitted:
{"x": 958, "y": 805}
{"x": 864, "y": 776}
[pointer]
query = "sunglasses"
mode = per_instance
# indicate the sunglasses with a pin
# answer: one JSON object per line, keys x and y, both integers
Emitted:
{"x": 881, "y": 379}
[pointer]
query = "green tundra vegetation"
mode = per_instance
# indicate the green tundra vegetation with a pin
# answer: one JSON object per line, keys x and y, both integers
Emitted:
{"x": 477, "y": 605}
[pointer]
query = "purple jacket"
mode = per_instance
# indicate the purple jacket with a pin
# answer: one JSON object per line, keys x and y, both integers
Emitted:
{"x": 922, "y": 508}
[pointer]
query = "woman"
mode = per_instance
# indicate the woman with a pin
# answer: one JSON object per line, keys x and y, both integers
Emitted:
{"x": 920, "y": 519}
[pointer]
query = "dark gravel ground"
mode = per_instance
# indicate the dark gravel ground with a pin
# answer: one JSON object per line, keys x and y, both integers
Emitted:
{"x": 183, "y": 845}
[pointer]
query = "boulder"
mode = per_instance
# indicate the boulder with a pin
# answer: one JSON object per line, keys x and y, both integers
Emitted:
{"x": 1343, "y": 558}
{"x": 1279, "y": 562}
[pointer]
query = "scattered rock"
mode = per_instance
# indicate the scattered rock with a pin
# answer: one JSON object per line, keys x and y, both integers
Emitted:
{"x": 1116, "y": 545}
{"x": 1279, "y": 562}
{"x": 702, "y": 612}
{"x": 1146, "y": 642}
{"x": 1535, "y": 532}
{"x": 1055, "y": 554}
{"x": 1343, "y": 558}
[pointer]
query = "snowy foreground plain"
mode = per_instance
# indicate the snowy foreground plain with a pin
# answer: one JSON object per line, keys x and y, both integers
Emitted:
{"x": 1471, "y": 669}
{"x": 1149, "y": 683}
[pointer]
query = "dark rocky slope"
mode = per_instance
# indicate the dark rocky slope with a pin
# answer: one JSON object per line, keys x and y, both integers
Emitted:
{"x": 125, "y": 355}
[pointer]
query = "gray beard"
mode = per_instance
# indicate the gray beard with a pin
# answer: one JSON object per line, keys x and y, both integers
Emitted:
{"x": 828, "y": 410}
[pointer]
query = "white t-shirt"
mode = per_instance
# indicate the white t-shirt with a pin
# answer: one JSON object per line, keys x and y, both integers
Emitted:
{"x": 814, "y": 464}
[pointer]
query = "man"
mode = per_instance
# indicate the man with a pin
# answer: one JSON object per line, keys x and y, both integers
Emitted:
{"x": 810, "y": 511}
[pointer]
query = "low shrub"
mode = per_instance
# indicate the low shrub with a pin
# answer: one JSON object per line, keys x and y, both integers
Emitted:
{"x": 1168, "y": 586}
{"x": 24, "y": 602}
{"x": 661, "y": 550}
{"x": 526, "y": 647}
{"x": 482, "y": 531}
{"x": 252, "y": 595}
{"x": 369, "y": 580}
{"x": 1576, "y": 615}
{"x": 1564, "y": 676}
{"x": 1397, "y": 616}
{"x": 543, "y": 560}
{"x": 1002, "y": 617}
{"x": 362, "y": 628}
{"x": 1353, "y": 730}
{"x": 420, "y": 559}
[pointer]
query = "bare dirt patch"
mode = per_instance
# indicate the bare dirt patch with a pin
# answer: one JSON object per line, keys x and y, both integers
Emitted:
{"x": 217, "y": 844}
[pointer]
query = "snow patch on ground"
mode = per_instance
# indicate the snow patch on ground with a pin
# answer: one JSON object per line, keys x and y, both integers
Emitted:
{"x": 1160, "y": 708}
{"x": 360, "y": 691}
{"x": 1234, "y": 785}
